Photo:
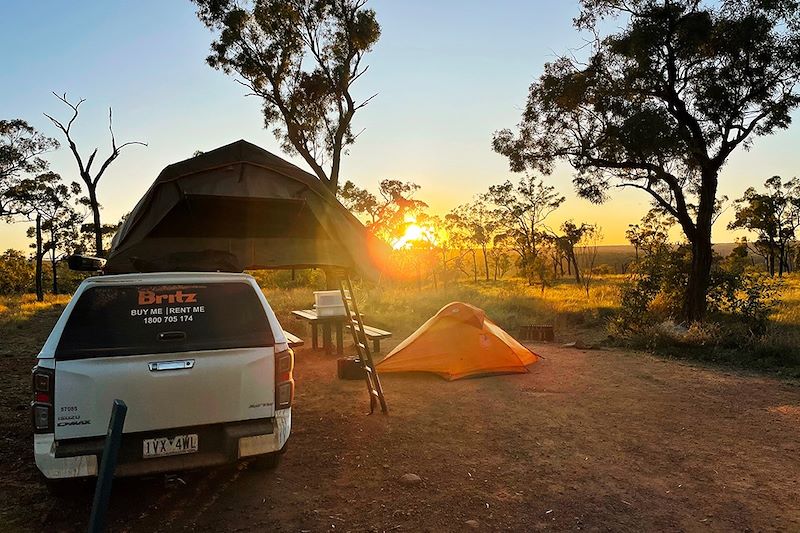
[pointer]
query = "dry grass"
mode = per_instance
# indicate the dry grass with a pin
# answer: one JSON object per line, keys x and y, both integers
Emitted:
{"x": 25, "y": 323}
{"x": 13, "y": 308}
{"x": 509, "y": 303}
{"x": 788, "y": 312}
{"x": 781, "y": 344}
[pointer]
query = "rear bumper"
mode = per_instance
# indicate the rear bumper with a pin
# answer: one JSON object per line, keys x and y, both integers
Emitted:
{"x": 218, "y": 444}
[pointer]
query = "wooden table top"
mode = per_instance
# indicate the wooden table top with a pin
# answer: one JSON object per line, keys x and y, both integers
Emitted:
{"x": 311, "y": 316}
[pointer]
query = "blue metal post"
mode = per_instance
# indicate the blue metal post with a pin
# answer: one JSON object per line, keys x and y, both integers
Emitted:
{"x": 102, "y": 492}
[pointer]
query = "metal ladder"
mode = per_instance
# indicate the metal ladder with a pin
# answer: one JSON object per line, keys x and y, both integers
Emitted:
{"x": 362, "y": 346}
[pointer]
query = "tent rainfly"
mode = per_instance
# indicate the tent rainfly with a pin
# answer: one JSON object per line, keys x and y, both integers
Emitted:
{"x": 240, "y": 207}
{"x": 459, "y": 342}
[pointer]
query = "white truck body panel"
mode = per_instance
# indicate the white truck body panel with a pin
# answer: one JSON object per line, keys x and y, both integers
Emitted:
{"x": 214, "y": 386}
{"x": 222, "y": 386}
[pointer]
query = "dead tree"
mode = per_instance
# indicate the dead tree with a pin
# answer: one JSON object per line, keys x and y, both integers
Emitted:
{"x": 85, "y": 170}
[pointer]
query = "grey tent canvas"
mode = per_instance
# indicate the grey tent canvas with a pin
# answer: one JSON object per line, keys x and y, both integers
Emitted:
{"x": 240, "y": 207}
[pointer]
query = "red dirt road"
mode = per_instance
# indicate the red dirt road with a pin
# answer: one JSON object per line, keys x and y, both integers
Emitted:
{"x": 594, "y": 440}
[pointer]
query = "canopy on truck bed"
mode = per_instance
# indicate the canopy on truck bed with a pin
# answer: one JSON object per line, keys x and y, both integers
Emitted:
{"x": 240, "y": 207}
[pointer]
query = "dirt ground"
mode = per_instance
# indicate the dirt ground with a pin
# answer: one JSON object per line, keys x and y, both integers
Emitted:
{"x": 588, "y": 440}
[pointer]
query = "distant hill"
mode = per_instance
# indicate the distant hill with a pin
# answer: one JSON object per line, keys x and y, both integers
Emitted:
{"x": 619, "y": 255}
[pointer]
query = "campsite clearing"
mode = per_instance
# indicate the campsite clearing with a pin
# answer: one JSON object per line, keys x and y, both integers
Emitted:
{"x": 589, "y": 439}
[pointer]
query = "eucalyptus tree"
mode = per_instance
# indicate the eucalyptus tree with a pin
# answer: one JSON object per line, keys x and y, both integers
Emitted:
{"x": 520, "y": 211}
{"x": 774, "y": 216}
{"x": 661, "y": 104}
{"x": 476, "y": 221}
{"x": 390, "y": 212}
{"x": 47, "y": 202}
{"x": 21, "y": 150}
{"x": 301, "y": 57}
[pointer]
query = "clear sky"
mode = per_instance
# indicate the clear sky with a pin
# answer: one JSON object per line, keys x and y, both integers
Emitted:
{"x": 448, "y": 73}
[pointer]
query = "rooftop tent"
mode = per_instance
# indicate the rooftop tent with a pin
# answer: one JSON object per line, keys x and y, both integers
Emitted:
{"x": 240, "y": 207}
{"x": 459, "y": 342}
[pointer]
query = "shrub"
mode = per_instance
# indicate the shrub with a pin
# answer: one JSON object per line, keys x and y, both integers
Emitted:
{"x": 750, "y": 297}
{"x": 604, "y": 269}
{"x": 740, "y": 303}
{"x": 16, "y": 273}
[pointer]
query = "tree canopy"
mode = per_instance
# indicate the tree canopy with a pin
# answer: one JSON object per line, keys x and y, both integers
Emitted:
{"x": 661, "y": 105}
{"x": 301, "y": 57}
{"x": 775, "y": 218}
{"x": 21, "y": 148}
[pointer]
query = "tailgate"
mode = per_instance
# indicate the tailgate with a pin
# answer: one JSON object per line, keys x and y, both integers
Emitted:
{"x": 213, "y": 387}
{"x": 178, "y": 355}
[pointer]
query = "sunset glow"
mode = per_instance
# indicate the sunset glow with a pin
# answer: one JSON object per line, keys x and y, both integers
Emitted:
{"x": 414, "y": 233}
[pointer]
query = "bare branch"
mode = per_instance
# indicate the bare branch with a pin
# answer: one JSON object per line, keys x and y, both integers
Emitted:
{"x": 365, "y": 102}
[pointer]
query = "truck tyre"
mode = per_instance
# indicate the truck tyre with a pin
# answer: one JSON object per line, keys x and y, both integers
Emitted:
{"x": 67, "y": 488}
{"x": 269, "y": 461}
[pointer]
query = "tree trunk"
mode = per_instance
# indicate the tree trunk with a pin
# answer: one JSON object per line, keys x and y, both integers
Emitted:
{"x": 55, "y": 277}
{"x": 485, "y": 262}
{"x": 98, "y": 228}
{"x": 53, "y": 257}
{"x": 772, "y": 261}
{"x": 444, "y": 267}
{"x": 574, "y": 260}
{"x": 39, "y": 257}
{"x": 695, "y": 301}
{"x": 474, "y": 266}
{"x": 699, "y": 276}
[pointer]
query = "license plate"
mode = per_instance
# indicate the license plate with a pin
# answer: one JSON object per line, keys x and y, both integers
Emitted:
{"x": 163, "y": 446}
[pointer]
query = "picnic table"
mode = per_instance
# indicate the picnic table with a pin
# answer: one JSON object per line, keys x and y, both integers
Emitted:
{"x": 327, "y": 323}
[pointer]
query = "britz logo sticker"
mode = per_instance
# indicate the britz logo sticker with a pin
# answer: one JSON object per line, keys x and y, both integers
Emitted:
{"x": 148, "y": 297}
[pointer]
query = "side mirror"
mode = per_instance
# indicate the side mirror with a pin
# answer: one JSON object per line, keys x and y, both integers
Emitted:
{"x": 85, "y": 263}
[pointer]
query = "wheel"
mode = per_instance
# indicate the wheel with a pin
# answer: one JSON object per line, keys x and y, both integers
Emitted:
{"x": 269, "y": 461}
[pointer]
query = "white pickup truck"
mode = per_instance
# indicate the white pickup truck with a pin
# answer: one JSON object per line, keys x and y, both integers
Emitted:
{"x": 199, "y": 358}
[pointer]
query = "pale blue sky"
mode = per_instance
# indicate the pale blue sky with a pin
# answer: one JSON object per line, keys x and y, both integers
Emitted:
{"x": 447, "y": 73}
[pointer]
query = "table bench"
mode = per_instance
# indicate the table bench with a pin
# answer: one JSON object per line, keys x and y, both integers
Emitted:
{"x": 310, "y": 316}
{"x": 376, "y": 336}
{"x": 293, "y": 340}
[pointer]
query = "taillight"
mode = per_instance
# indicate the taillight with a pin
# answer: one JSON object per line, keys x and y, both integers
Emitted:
{"x": 42, "y": 404}
{"x": 284, "y": 382}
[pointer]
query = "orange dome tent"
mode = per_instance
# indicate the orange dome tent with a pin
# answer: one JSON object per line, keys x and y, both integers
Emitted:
{"x": 459, "y": 342}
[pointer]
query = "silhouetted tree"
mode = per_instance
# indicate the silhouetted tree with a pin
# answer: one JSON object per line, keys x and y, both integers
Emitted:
{"x": 301, "y": 58}
{"x": 47, "y": 202}
{"x": 521, "y": 211}
{"x": 585, "y": 252}
{"x": 661, "y": 105}
{"x": 21, "y": 147}
{"x": 16, "y": 273}
{"x": 85, "y": 170}
{"x": 571, "y": 235}
{"x": 774, "y": 216}
{"x": 390, "y": 212}
{"x": 651, "y": 235}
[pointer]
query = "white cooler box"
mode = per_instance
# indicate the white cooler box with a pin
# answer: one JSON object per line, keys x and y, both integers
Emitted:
{"x": 329, "y": 303}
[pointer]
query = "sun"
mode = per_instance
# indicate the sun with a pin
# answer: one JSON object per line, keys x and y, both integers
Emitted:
{"x": 414, "y": 233}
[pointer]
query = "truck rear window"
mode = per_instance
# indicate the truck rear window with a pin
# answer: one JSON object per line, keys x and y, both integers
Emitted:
{"x": 144, "y": 319}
